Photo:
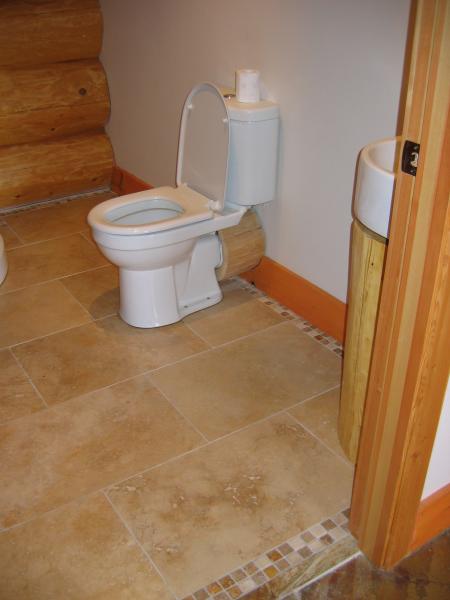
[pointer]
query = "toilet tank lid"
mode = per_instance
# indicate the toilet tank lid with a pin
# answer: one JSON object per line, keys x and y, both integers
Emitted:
{"x": 264, "y": 110}
{"x": 204, "y": 141}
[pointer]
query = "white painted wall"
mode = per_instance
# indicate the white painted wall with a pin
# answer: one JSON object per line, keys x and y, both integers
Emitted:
{"x": 334, "y": 66}
{"x": 438, "y": 475}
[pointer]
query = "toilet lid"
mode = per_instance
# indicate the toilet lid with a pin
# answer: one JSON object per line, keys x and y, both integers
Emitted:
{"x": 204, "y": 139}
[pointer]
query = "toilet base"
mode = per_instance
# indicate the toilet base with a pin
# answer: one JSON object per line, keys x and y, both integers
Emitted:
{"x": 163, "y": 296}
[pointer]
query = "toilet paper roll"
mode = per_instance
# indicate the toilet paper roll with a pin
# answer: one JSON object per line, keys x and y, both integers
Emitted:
{"x": 247, "y": 85}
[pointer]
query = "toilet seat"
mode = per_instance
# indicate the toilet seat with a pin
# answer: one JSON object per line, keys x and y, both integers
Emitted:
{"x": 132, "y": 214}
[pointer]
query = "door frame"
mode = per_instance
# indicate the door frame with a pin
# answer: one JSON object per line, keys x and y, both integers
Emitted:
{"x": 411, "y": 358}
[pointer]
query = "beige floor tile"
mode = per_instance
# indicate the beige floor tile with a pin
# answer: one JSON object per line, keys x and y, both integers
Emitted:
{"x": 36, "y": 311}
{"x": 80, "y": 360}
{"x": 233, "y": 322}
{"x": 59, "y": 219}
{"x": 17, "y": 395}
{"x": 210, "y": 511}
{"x": 97, "y": 291}
{"x": 57, "y": 455}
{"x": 80, "y": 552}
{"x": 320, "y": 416}
{"x": 43, "y": 261}
{"x": 233, "y": 296}
{"x": 249, "y": 379}
{"x": 10, "y": 239}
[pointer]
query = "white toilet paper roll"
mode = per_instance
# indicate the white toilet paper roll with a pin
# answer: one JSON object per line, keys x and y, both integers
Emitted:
{"x": 247, "y": 85}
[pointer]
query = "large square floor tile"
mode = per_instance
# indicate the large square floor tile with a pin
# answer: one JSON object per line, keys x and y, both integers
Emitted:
{"x": 320, "y": 416}
{"x": 206, "y": 513}
{"x": 17, "y": 395}
{"x": 249, "y": 379}
{"x": 79, "y": 360}
{"x": 97, "y": 290}
{"x": 229, "y": 322}
{"x": 57, "y": 455}
{"x": 36, "y": 263}
{"x": 37, "y": 311}
{"x": 56, "y": 220}
{"x": 79, "y": 552}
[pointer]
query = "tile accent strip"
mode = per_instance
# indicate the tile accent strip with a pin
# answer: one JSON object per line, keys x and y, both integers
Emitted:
{"x": 250, "y": 576}
{"x": 320, "y": 336}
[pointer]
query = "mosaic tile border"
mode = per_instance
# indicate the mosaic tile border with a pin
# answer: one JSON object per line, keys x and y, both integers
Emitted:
{"x": 267, "y": 566}
{"x": 320, "y": 336}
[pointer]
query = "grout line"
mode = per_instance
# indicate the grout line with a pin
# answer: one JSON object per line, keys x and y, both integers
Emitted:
{"x": 177, "y": 410}
{"x": 341, "y": 458}
{"x": 314, "y": 396}
{"x": 78, "y": 232}
{"x": 192, "y": 330}
{"x": 47, "y": 335}
{"x": 30, "y": 381}
{"x": 14, "y": 232}
{"x": 214, "y": 348}
{"x": 24, "y": 287}
{"x": 68, "y": 291}
{"x": 138, "y": 543}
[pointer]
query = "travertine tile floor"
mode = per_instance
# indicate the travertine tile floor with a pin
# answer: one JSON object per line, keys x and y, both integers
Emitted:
{"x": 153, "y": 463}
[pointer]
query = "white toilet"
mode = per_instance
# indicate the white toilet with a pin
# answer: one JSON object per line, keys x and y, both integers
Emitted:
{"x": 164, "y": 240}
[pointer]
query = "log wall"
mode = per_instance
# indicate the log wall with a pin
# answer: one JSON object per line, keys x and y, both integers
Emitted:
{"x": 54, "y": 101}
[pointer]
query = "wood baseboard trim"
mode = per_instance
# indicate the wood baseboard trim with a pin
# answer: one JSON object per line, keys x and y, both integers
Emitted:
{"x": 432, "y": 518}
{"x": 124, "y": 182}
{"x": 300, "y": 295}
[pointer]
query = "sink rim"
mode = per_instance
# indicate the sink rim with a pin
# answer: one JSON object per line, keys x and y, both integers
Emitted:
{"x": 375, "y": 182}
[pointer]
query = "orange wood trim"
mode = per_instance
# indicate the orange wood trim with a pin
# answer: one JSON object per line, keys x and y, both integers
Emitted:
{"x": 432, "y": 518}
{"x": 301, "y": 296}
{"x": 124, "y": 182}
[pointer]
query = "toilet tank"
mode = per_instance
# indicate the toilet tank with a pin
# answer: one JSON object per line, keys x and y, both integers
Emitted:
{"x": 253, "y": 152}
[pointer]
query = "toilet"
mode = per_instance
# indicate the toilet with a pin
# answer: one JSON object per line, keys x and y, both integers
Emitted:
{"x": 165, "y": 240}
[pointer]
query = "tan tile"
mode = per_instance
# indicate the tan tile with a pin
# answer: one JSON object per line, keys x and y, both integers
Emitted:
{"x": 249, "y": 379}
{"x": 56, "y": 220}
{"x": 232, "y": 296}
{"x": 17, "y": 395}
{"x": 57, "y": 455}
{"x": 80, "y": 360}
{"x": 237, "y": 321}
{"x": 320, "y": 416}
{"x": 97, "y": 291}
{"x": 36, "y": 311}
{"x": 81, "y": 551}
{"x": 43, "y": 261}
{"x": 208, "y": 512}
{"x": 10, "y": 239}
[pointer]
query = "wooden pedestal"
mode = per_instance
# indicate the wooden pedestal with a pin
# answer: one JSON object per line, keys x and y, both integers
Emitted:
{"x": 366, "y": 269}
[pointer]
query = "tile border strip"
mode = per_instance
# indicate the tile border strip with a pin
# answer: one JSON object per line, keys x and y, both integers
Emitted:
{"x": 314, "y": 332}
{"x": 250, "y": 576}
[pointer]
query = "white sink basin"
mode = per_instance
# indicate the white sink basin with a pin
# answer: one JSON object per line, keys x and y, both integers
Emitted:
{"x": 375, "y": 184}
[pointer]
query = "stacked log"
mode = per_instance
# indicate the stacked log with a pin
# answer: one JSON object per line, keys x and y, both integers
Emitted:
{"x": 54, "y": 101}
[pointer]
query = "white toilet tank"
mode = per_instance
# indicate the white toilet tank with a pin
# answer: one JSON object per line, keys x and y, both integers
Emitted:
{"x": 253, "y": 152}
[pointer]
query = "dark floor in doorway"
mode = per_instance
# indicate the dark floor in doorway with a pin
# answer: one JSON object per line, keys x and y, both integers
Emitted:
{"x": 424, "y": 575}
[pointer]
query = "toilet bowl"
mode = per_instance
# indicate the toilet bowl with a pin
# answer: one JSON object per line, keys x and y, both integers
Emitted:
{"x": 165, "y": 240}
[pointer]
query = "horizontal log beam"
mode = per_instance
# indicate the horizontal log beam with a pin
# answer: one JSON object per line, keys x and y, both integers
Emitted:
{"x": 52, "y": 100}
{"x": 55, "y": 168}
{"x": 46, "y": 32}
